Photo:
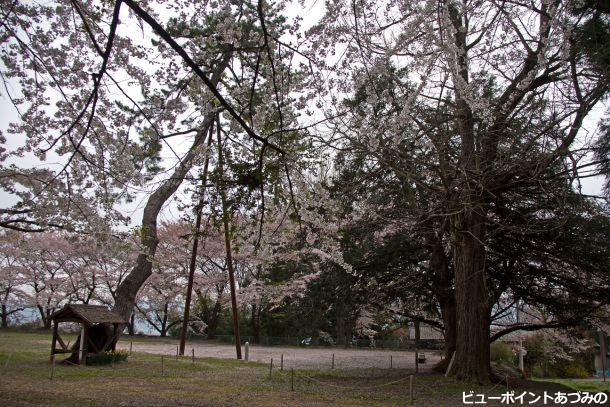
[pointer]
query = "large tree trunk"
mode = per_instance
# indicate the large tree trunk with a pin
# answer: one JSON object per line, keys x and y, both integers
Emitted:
{"x": 468, "y": 226}
{"x": 129, "y": 287}
{"x": 472, "y": 340}
{"x": 450, "y": 330}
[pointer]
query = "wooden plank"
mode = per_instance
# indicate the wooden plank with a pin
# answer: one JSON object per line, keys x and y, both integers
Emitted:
{"x": 114, "y": 336}
{"x": 82, "y": 357}
{"x": 61, "y": 342}
{"x": 90, "y": 342}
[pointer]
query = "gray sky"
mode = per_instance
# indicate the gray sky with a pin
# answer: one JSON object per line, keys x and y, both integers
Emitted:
{"x": 311, "y": 14}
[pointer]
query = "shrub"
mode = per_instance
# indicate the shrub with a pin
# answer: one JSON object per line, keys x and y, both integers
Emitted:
{"x": 105, "y": 358}
{"x": 574, "y": 369}
{"x": 500, "y": 352}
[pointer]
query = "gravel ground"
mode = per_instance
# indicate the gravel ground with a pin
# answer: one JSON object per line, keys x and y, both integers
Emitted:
{"x": 302, "y": 358}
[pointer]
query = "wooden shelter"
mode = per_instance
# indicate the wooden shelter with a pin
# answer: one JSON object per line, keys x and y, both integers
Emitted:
{"x": 95, "y": 336}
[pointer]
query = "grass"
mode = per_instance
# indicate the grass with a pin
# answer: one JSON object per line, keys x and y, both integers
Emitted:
{"x": 25, "y": 372}
{"x": 581, "y": 384}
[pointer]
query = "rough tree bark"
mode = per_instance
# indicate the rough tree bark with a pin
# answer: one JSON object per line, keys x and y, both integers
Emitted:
{"x": 129, "y": 287}
{"x": 472, "y": 360}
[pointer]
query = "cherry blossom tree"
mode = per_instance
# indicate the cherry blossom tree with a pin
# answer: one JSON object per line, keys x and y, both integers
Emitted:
{"x": 12, "y": 296}
{"x": 44, "y": 260}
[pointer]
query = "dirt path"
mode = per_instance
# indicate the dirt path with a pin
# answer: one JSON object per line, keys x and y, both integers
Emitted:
{"x": 308, "y": 358}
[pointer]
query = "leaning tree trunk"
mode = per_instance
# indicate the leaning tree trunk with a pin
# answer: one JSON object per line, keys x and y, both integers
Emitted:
{"x": 129, "y": 287}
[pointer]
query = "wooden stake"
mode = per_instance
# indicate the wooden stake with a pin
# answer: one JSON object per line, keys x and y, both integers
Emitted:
{"x": 411, "y": 390}
{"x": 602, "y": 352}
{"x": 333, "y": 363}
{"x": 82, "y": 346}
{"x": 10, "y": 355}
{"x": 271, "y": 367}
{"x": 292, "y": 379}
{"x": 391, "y": 362}
{"x": 193, "y": 353}
{"x": 247, "y": 347}
{"x": 162, "y": 366}
{"x": 52, "y": 365}
{"x": 176, "y": 352}
{"x": 130, "y": 347}
{"x": 450, "y": 364}
{"x": 282, "y": 362}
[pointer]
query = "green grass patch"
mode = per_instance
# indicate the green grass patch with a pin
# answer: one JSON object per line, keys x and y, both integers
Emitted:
{"x": 143, "y": 380}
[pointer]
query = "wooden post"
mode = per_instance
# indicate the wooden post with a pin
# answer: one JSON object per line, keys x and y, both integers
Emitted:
{"x": 411, "y": 390}
{"x": 198, "y": 209}
{"x": 417, "y": 337}
{"x": 333, "y": 362}
{"x": 130, "y": 346}
{"x": 282, "y": 362}
{"x": 247, "y": 346}
{"x": 193, "y": 353}
{"x": 115, "y": 338}
{"x": 391, "y": 362}
{"x": 81, "y": 352}
{"x": 292, "y": 379}
{"x": 271, "y": 367}
{"x": 52, "y": 365}
{"x": 54, "y": 340}
{"x": 10, "y": 355}
{"x": 162, "y": 366}
{"x": 225, "y": 220}
{"x": 176, "y": 352}
{"x": 602, "y": 352}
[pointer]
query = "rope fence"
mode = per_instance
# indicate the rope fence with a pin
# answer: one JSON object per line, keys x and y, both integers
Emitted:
{"x": 188, "y": 366}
